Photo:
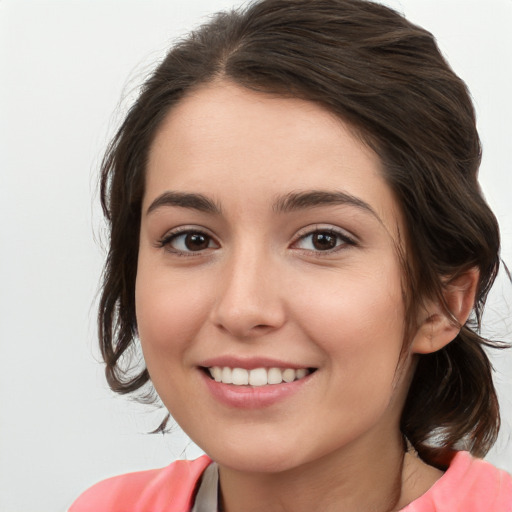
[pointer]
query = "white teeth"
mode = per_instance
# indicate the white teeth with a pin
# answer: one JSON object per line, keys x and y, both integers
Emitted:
{"x": 275, "y": 376}
{"x": 216, "y": 373}
{"x": 289, "y": 375}
{"x": 301, "y": 373}
{"x": 240, "y": 377}
{"x": 226, "y": 375}
{"x": 257, "y": 376}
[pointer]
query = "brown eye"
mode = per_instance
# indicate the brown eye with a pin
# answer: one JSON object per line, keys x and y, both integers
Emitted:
{"x": 187, "y": 242}
{"x": 323, "y": 241}
{"x": 196, "y": 241}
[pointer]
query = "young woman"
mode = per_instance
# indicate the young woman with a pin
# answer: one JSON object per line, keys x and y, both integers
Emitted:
{"x": 300, "y": 245}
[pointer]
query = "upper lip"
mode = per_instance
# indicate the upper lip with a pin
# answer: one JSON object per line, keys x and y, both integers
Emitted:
{"x": 249, "y": 363}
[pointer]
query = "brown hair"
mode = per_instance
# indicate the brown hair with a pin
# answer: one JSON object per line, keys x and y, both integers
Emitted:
{"x": 386, "y": 77}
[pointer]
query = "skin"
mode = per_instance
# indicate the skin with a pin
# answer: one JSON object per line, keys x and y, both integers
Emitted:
{"x": 259, "y": 287}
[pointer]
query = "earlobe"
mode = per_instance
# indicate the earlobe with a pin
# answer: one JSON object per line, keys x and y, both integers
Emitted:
{"x": 438, "y": 327}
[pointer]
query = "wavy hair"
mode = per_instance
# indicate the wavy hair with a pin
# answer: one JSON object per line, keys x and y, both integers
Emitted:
{"x": 387, "y": 78}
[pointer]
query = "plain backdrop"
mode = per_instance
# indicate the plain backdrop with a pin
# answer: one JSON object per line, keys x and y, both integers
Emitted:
{"x": 68, "y": 72}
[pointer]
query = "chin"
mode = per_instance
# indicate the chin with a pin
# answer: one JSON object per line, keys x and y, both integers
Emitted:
{"x": 256, "y": 463}
{"x": 253, "y": 457}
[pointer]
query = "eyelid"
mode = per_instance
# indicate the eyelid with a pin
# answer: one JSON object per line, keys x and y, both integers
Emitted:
{"x": 347, "y": 238}
{"x": 164, "y": 241}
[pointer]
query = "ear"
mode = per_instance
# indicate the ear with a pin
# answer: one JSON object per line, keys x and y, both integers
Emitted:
{"x": 436, "y": 327}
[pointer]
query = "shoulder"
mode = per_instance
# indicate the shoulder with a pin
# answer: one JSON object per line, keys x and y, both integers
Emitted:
{"x": 170, "y": 489}
{"x": 469, "y": 484}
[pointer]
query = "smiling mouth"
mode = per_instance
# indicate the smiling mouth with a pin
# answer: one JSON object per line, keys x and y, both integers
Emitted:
{"x": 257, "y": 376}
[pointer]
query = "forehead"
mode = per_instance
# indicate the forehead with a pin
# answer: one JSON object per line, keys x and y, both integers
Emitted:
{"x": 228, "y": 142}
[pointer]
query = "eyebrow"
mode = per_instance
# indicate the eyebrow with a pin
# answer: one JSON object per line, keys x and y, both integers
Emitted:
{"x": 185, "y": 200}
{"x": 303, "y": 200}
{"x": 287, "y": 203}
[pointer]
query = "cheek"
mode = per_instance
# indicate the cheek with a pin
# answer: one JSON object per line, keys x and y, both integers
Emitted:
{"x": 357, "y": 320}
{"x": 169, "y": 312}
{"x": 357, "y": 317}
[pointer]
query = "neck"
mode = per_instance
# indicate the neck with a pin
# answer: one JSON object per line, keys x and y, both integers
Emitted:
{"x": 365, "y": 476}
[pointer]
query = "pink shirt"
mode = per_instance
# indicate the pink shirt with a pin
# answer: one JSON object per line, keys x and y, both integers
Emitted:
{"x": 469, "y": 485}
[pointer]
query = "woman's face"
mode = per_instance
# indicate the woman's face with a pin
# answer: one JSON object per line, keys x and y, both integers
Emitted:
{"x": 268, "y": 252}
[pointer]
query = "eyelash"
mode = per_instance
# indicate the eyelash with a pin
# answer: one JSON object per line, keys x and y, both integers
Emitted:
{"x": 342, "y": 241}
{"x": 166, "y": 241}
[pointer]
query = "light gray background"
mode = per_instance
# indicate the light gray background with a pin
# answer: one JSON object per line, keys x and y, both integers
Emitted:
{"x": 64, "y": 66}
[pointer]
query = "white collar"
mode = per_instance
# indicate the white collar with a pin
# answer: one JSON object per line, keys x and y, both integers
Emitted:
{"x": 207, "y": 494}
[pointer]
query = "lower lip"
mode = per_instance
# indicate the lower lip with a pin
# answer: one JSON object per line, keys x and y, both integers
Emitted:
{"x": 253, "y": 397}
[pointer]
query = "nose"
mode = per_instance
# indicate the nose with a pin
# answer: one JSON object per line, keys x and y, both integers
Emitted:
{"x": 250, "y": 300}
